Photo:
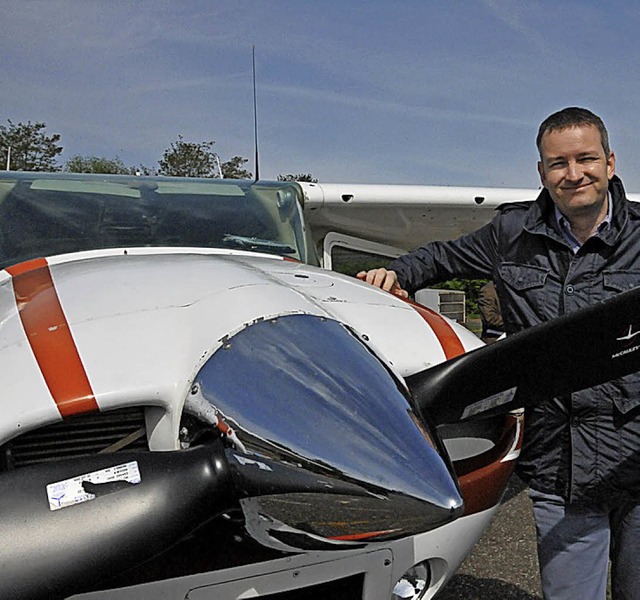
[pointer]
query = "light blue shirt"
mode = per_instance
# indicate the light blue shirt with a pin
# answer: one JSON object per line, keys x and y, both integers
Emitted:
{"x": 565, "y": 227}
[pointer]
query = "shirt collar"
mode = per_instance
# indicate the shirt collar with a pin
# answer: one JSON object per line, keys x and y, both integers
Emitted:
{"x": 564, "y": 227}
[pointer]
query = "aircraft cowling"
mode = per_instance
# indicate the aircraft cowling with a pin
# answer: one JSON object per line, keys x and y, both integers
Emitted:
{"x": 320, "y": 454}
{"x": 144, "y": 322}
{"x": 324, "y": 451}
{"x": 327, "y": 450}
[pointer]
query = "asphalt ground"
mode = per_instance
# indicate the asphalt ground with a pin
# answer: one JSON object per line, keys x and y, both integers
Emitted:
{"x": 504, "y": 563}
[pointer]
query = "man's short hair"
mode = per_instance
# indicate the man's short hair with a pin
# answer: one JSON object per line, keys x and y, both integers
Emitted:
{"x": 573, "y": 117}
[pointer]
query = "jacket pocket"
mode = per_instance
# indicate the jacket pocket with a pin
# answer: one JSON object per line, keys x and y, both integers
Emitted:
{"x": 621, "y": 280}
{"x": 523, "y": 277}
{"x": 625, "y": 392}
{"x": 526, "y": 290}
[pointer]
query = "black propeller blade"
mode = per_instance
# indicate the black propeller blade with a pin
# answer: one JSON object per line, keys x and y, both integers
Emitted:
{"x": 51, "y": 552}
{"x": 591, "y": 346}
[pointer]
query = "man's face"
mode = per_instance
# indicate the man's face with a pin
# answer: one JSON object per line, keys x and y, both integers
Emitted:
{"x": 575, "y": 169}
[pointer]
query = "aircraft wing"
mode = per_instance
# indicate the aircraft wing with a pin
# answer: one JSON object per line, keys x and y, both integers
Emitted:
{"x": 404, "y": 216}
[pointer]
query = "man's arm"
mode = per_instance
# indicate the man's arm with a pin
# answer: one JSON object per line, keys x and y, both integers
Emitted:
{"x": 471, "y": 256}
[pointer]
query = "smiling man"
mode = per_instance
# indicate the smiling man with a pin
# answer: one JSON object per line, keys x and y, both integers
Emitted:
{"x": 575, "y": 167}
{"x": 576, "y": 244}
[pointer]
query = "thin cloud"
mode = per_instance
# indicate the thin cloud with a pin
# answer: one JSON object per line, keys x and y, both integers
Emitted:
{"x": 511, "y": 13}
{"x": 372, "y": 104}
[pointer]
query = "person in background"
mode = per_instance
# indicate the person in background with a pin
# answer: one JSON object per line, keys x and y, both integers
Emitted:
{"x": 577, "y": 243}
{"x": 490, "y": 314}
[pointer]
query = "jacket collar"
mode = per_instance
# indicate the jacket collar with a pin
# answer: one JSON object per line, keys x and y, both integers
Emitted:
{"x": 540, "y": 216}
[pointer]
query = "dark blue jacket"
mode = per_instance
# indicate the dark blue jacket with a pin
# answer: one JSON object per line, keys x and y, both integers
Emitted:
{"x": 586, "y": 447}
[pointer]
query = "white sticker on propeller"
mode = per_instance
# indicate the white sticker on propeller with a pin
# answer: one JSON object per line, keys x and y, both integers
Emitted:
{"x": 87, "y": 487}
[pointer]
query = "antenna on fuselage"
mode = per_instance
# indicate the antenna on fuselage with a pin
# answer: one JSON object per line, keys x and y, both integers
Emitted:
{"x": 255, "y": 112}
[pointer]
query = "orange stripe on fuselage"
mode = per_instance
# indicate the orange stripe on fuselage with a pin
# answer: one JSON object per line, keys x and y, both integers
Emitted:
{"x": 50, "y": 338}
{"x": 354, "y": 537}
{"x": 449, "y": 340}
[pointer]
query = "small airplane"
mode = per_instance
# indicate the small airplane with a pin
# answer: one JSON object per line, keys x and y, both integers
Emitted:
{"x": 192, "y": 407}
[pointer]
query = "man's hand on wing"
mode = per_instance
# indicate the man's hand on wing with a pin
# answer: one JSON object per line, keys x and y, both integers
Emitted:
{"x": 384, "y": 279}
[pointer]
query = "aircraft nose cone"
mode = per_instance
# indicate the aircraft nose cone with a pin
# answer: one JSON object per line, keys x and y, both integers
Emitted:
{"x": 324, "y": 445}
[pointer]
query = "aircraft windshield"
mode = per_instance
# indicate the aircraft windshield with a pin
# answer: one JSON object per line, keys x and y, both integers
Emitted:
{"x": 46, "y": 214}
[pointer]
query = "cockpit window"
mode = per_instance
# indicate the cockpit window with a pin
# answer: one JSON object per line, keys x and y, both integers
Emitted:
{"x": 46, "y": 214}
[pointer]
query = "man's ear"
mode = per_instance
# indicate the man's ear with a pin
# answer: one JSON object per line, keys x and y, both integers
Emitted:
{"x": 611, "y": 165}
{"x": 541, "y": 173}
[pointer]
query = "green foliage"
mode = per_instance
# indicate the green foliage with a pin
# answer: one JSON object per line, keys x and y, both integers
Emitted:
{"x": 232, "y": 169}
{"x": 30, "y": 148}
{"x": 143, "y": 170}
{"x": 299, "y": 177}
{"x": 97, "y": 164}
{"x": 350, "y": 262}
{"x": 189, "y": 159}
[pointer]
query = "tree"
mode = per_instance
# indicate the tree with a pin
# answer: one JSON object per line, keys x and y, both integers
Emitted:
{"x": 232, "y": 169}
{"x": 30, "y": 149}
{"x": 97, "y": 164}
{"x": 143, "y": 170}
{"x": 300, "y": 177}
{"x": 189, "y": 159}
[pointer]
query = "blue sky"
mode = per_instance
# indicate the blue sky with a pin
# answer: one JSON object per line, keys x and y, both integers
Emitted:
{"x": 432, "y": 91}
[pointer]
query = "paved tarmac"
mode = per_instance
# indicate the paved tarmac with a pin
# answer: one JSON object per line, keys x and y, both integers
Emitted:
{"x": 504, "y": 564}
